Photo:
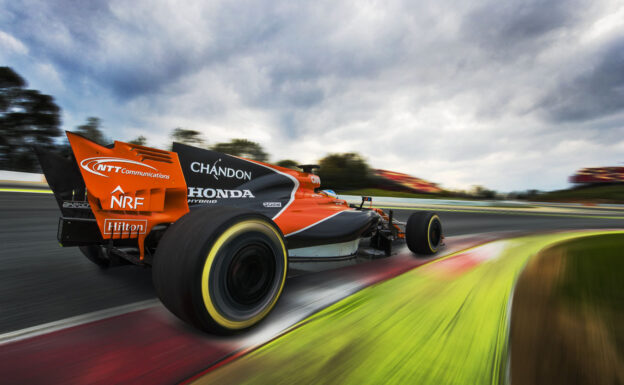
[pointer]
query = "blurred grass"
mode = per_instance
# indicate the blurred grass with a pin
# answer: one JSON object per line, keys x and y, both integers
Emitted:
{"x": 443, "y": 323}
{"x": 613, "y": 193}
{"x": 569, "y": 308}
{"x": 594, "y": 281}
{"x": 594, "y": 269}
{"x": 377, "y": 192}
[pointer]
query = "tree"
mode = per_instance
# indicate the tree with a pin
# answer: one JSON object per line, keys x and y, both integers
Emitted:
{"x": 91, "y": 130}
{"x": 244, "y": 148}
{"x": 139, "y": 141}
{"x": 288, "y": 163}
{"x": 482, "y": 192}
{"x": 344, "y": 171}
{"x": 190, "y": 137}
{"x": 27, "y": 118}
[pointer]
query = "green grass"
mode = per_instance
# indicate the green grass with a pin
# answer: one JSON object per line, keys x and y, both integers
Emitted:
{"x": 594, "y": 270}
{"x": 594, "y": 280}
{"x": 432, "y": 325}
{"x": 611, "y": 193}
{"x": 568, "y": 317}
{"x": 377, "y": 192}
{"x": 600, "y": 194}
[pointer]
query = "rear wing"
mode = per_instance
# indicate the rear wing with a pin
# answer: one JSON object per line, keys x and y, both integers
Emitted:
{"x": 125, "y": 189}
{"x": 115, "y": 195}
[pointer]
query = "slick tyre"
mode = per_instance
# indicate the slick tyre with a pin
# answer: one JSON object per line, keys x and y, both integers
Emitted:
{"x": 423, "y": 233}
{"x": 220, "y": 269}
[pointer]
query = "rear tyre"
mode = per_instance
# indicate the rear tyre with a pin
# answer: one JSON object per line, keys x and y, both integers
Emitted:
{"x": 96, "y": 254}
{"x": 423, "y": 233}
{"x": 220, "y": 269}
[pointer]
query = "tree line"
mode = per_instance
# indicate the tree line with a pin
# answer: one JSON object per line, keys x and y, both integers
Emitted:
{"x": 29, "y": 118}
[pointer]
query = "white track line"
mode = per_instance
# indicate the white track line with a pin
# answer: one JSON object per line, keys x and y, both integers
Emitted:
{"x": 82, "y": 319}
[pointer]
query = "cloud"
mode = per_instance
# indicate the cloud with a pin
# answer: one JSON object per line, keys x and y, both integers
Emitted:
{"x": 10, "y": 43}
{"x": 596, "y": 92}
{"x": 502, "y": 94}
{"x": 505, "y": 27}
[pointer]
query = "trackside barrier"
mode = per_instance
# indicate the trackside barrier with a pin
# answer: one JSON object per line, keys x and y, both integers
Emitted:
{"x": 13, "y": 177}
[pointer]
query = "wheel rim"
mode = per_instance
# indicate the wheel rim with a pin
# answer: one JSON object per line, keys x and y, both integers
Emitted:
{"x": 435, "y": 233}
{"x": 242, "y": 247}
{"x": 251, "y": 274}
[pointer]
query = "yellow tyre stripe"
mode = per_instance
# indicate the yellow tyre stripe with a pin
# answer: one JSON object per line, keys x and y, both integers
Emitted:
{"x": 248, "y": 225}
{"x": 433, "y": 249}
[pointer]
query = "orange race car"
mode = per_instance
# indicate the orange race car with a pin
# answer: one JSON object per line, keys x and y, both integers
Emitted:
{"x": 218, "y": 230}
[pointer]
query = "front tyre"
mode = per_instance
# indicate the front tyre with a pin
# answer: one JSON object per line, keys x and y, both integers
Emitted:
{"x": 423, "y": 233}
{"x": 221, "y": 269}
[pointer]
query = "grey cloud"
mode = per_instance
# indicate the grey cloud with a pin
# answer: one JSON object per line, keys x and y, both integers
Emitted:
{"x": 504, "y": 26}
{"x": 129, "y": 56}
{"x": 597, "y": 92}
{"x": 442, "y": 84}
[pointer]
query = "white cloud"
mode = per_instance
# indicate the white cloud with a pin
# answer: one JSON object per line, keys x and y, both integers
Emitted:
{"x": 10, "y": 43}
{"x": 458, "y": 93}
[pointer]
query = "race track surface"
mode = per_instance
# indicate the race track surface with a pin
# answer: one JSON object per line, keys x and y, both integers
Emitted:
{"x": 43, "y": 282}
{"x": 114, "y": 313}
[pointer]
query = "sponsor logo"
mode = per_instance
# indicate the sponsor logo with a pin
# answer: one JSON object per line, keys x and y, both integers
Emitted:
{"x": 76, "y": 205}
{"x": 216, "y": 171}
{"x": 272, "y": 204}
{"x": 124, "y": 202}
{"x": 104, "y": 165}
{"x": 315, "y": 179}
{"x": 202, "y": 201}
{"x": 210, "y": 193}
{"x": 120, "y": 226}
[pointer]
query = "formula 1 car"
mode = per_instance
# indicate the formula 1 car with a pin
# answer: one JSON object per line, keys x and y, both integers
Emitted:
{"x": 217, "y": 230}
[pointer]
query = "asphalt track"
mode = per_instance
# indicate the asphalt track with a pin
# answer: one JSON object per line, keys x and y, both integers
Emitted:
{"x": 41, "y": 282}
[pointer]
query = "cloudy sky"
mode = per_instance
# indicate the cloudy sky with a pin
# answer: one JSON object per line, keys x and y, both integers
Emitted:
{"x": 512, "y": 94}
